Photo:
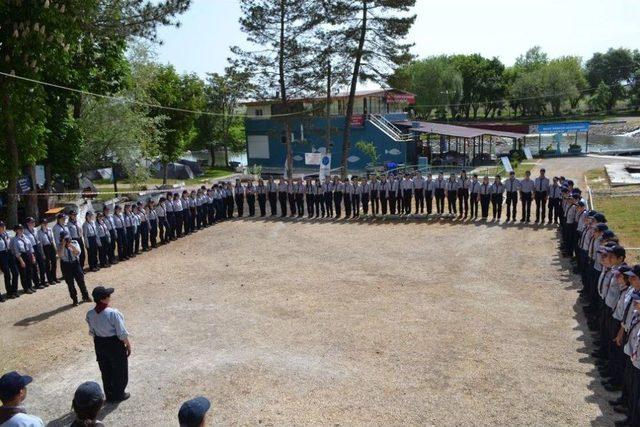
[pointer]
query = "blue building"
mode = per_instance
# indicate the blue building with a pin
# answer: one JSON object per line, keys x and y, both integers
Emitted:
{"x": 374, "y": 112}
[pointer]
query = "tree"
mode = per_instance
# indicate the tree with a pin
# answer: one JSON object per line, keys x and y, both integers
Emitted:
{"x": 530, "y": 92}
{"x": 601, "y": 98}
{"x": 369, "y": 150}
{"x": 223, "y": 93}
{"x": 481, "y": 82}
{"x": 438, "y": 85}
{"x": 634, "y": 90}
{"x": 615, "y": 68}
{"x": 532, "y": 60}
{"x": 281, "y": 32}
{"x": 371, "y": 34}
{"x": 564, "y": 82}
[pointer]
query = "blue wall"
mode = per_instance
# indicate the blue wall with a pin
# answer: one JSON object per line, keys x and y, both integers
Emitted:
{"x": 314, "y": 135}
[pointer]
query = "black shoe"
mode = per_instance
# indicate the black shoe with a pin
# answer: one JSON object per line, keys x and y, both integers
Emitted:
{"x": 618, "y": 401}
{"x": 87, "y": 299}
{"x": 621, "y": 423}
{"x": 620, "y": 409}
{"x": 75, "y": 302}
{"x": 57, "y": 281}
{"x": 612, "y": 388}
{"x": 122, "y": 398}
{"x": 2, "y": 299}
{"x": 29, "y": 291}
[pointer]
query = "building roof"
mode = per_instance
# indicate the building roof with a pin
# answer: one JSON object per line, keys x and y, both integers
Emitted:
{"x": 454, "y": 130}
{"x": 340, "y": 95}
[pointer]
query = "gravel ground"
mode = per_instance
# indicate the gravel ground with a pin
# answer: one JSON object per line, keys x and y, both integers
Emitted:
{"x": 303, "y": 322}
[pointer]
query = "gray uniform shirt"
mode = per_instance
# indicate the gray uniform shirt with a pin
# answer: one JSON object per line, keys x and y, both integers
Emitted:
{"x": 108, "y": 323}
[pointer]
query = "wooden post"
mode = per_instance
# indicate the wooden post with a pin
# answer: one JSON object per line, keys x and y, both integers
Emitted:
{"x": 586, "y": 144}
{"x": 539, "y": 143}
{"x": 464, "y": 151}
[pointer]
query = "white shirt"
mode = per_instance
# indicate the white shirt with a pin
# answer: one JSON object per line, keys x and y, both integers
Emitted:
{"x": 23, "y": 420}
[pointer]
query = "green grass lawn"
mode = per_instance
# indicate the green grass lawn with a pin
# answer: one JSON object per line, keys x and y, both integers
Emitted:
{"x": 623, "y": 219}
{"x": 209, "y": 175}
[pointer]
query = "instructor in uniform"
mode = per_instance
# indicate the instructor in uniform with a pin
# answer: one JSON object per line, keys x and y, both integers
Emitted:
{"x": 111, "y": 341}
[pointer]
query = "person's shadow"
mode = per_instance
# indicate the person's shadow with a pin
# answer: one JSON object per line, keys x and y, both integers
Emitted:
{"x": 66, "y": 419}
{"x": 28, "y": 321}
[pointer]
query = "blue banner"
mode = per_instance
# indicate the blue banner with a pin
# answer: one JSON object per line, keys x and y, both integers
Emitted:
{"x": 563, "y": 127}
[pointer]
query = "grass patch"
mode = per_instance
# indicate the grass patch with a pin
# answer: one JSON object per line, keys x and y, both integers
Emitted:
{"x": 597, "y": 179}
{"x": 622, "y": 216}
{"x": 209, "y": 174}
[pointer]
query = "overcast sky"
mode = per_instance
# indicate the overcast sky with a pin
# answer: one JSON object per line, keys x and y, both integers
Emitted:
{"x": 502, "y": 28}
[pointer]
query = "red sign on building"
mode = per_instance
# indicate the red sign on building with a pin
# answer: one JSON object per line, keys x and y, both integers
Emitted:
{"x": 357, "y": 120}
{"x": 401, "y": 98}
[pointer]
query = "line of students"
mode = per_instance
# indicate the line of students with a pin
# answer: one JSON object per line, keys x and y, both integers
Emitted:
{"x": 465, "y": 196}
{"x": 611, "y": 291}
{"x": 104, "y": 238}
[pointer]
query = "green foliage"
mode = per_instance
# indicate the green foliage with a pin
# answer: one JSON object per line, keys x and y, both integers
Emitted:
{"x": 614, "y": 67}
{"x": 369, "y": 150}
{"x": 601, "y": 99}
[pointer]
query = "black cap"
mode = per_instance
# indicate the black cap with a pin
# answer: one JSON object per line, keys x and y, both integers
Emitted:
{"x": 618, "y": 251}
{"x": 87, "y": 394}
{"x": 73, "y": 212}
{"x": 29, "y": 220}
{"x": 18, "y": 227}
{"x": 100, "y": 292}
{"x": 634, "y": 271}
{"x": 600, "y": 217}
{"x": 42, "y": 221}
{"x": 11, "y": 383}
{"x": 592, "y": 213}
{"x": 192, "y": 412}
{"x": 581, "y": 203}
{"x": 608, "y": 234}
{"x": 2, "y": 224}
{"x": 576, "y": 196}
{"x": 602, "y": 227}
{"x": 61, "y": 215}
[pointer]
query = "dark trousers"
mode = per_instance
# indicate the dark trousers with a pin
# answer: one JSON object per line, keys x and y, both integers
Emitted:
{"x": 485, "y": 199}
{"x": 400, "y": 202}
{"x": 355, "y": 205}
{"x": 463, "y": 201}
{"x": 131, "y": 240}
{"x": 474, "y": 205}
{"x": 163, "y": 228}
{"x": 496, "y": 204}
{"x": 512, "y": 205}
{"x": 93, "y": 251}
{"x": 50, "y": 265}
{"x": 328, "y": 201}
{"x": 283, "y": 204}
{"x": 112, "y": 360}
{"x": 452, "y": 197}
{"x": 73, "y": 274}
{"x": 40, "y": 261}
{"x": 319, "y": 202}
{"x": 170, "y": 226}
{"x": 9, "y": 271}
{"x": 230, "y": 207}
{"x": 419, "y": 195}
{"x": 347, "y": 205}
{"x": 262, "y": 204}
{"x": 251, "y": 203}
{"x": 555, "y": 207}
{"x": 153, "y": 232}
{"x": 337, "y": 202}
{"x": 122, "y": 243}
{"x": 83, "y": 252}
{"x": 525, "y": 199}
{"x": 300, "y": 203}
{"x": 292, "y": 203}
{"x": 103, "y": 251}
{"x": 375, "y": 202}
{"x": 111, "y": 253}
{"x": 392, "y": 203}
{"x": 310, "y": 205}
{"x": 428, "y": 198}
{"x": 406, "y": 201}
{"x": 177, "y": 224}
{"x": 144, "y": 234}
{"x": 272, "y": 203}
{"x": 240, "y": 204}
{"x": 365, "y": 203}
{"x": 26, "y": 272}
{"x": 541, "y": 205}
{"x": 383, "y": 202}
{"x": 440, "y": 200}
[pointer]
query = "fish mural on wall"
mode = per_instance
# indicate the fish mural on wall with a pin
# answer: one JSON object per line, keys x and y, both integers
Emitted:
{"x": 393, "y": 152}
{"x": 353, "y": 159}
{"x": 298, "y": 158}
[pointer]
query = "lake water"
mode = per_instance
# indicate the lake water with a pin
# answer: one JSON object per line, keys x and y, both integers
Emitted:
{"x": 597, "y": 143}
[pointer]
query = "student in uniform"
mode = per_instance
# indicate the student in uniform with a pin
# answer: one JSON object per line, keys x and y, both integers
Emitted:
{"x": 137, "y": 227}
{"x": 282, "y": 197}
{"x": 88, "y": 400}
{"x": 384, "y": 193}
{"x": 211, "y": 207}
{"x": 319, "y": 198}
{"x": 355, "y": 200}
{"x": 113, "y": 238}
{"x": 92, "y": 242}
{"x": 111, "y": 343}
{"x": 348, "y": 197}
{"x": 130, "y": 230}
{"x": 429, "y": 187}
{"x": 75, "y": 232}
{"x": 439, "y": 192}
{"x": 218, "y": 202}
{"x": 463, "y": 194}
{"x": 24, "y": 257}
{"x": 229, "y": 195}
{"x": 176, "y": 207}
{"x": 30, "y": 231}
{"x": 541, "y": 193}
{"x": 7, "y": 264}
{"x": 144, "y": 226}
{"x": 186, "y": 213}
{"x": 512, "y": 186}
{"x": 193, "y": 413}
{"x": 407, "y": 192}
{"x": 121, "y": 233}
{"x": 262, "y": 192}
{"x": 418, "y": 192}
{"x": 272, "y": 193}
{"x": 400, "y": 196}
{"x": 170, "y": 231}
{"x": 238, "y": 192}
{"x": 474, "y": 196}
{"x": 497, "y": 190}
{"x": 105, "y": 240}
{"x": 193, "y": 211}
{"x": 526, "y": 191}
{"x": 309, "y": 191}
{"x": 45, "y": 236}
{"x": 291, "y": 197}
{"x": 251, "y": 198}
{"x": 163, "y": 224}
{"x": 375, "y": 196}
{"x": 451, "y": 188}
{"x": 485, "y": 197}
{"x": 394, "y": 187}
{"x": 69, "y": 254}
{"x": 327, "y": 188}
{"x": 152, "y": 215}
{"x": 555, "y": 198}
{"x": 299, "y": 192}
{"x": 13, "y": 391}
{"x": 338, "y": 190}
{"x": 364, "y": 195}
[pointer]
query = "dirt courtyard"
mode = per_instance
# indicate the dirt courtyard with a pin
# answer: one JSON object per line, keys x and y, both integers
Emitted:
{"x": 303, "y": 322}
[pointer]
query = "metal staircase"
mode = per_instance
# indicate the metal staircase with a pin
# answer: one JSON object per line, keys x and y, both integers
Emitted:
{"x": 389, "y": 129}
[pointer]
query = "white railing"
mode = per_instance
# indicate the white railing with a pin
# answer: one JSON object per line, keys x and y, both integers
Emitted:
{"x": 389, "y": 129}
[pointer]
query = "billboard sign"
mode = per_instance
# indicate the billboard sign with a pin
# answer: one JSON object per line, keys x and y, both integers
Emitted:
{"x": 357, "y": 120}
{"x": 312, "y": 159}
{"x": 561, "y": 127}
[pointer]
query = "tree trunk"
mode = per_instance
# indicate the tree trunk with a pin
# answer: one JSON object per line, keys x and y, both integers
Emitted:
{"x": 114, "y": 177}
{"x": 14, "y": 157}
{"x": 328, "y": 112}
{"x": 212, "y": 153}
{"x": 346, "y": 144}
{"x": 226, "y": 155}
{"x": 283, "y": 94}
{"x": 31, "y": 206}
{"x": 165, "y": 172}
